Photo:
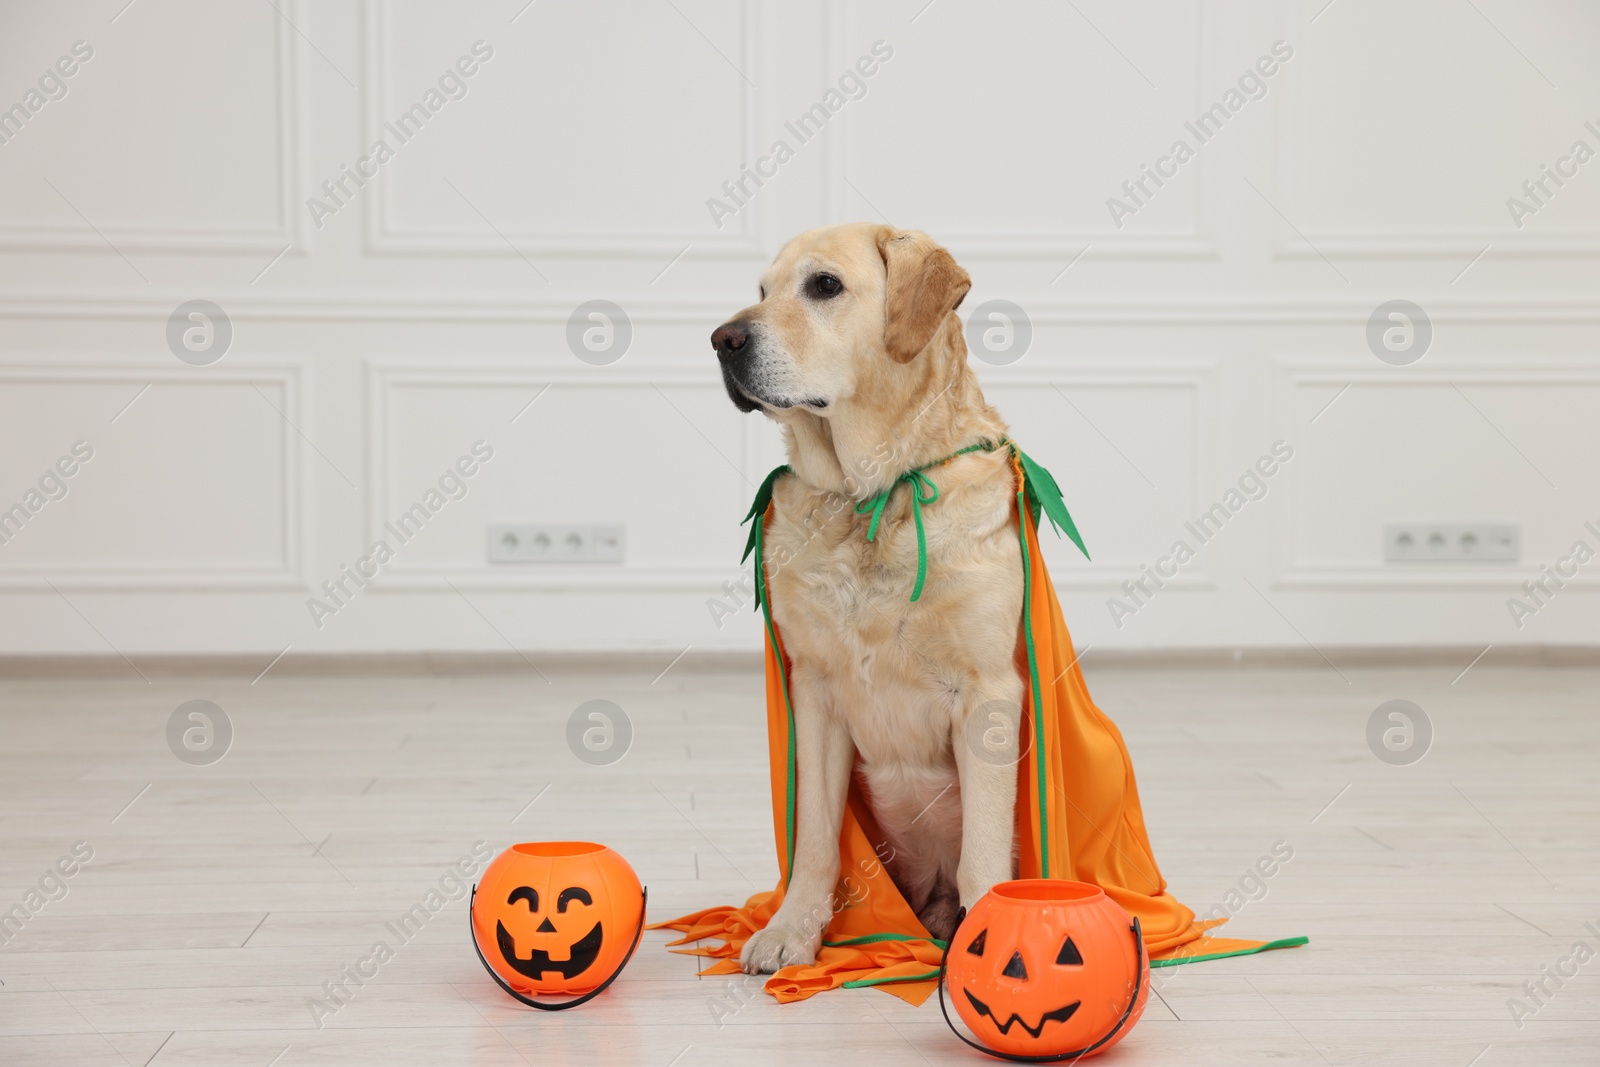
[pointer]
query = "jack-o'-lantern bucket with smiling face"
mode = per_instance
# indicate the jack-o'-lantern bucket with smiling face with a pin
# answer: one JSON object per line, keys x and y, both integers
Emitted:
{"x": 1044, "y": 969}
{"x": 557, "y": 918}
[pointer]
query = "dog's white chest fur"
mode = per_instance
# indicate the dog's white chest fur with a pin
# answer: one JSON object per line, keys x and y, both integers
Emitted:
{"x": 901, "y": 677}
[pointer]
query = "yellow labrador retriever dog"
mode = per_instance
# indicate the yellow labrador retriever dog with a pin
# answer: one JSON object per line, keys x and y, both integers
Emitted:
{"x": 856, "y": 350}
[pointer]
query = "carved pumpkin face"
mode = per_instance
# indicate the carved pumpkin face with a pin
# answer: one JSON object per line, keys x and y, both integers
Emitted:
{"x": 556, "y": 916}
{"x": 1041, "y": 967}
{"x": 581, "y": 952}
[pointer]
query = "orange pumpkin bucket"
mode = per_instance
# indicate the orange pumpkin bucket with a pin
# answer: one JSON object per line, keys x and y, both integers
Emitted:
{"x": 556, "y": 917}
{"x": 1045, "y": 969}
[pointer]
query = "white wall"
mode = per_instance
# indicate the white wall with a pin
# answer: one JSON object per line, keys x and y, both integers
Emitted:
{"x": 424, "y": 315}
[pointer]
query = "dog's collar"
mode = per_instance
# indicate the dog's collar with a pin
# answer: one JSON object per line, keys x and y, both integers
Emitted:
{"x": 1037, "y": 492}
{"x": 923, "y": 491}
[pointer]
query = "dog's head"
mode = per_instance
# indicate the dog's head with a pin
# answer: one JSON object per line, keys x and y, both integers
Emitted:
{"x": 840, "y": 309}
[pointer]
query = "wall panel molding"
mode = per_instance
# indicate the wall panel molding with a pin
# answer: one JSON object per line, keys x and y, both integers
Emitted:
{"x": 1382, "y": 244}
{"x": 208, "y": 240}
{"x": 290, "y": 572}
{"x": 386, "y": 375}
{"x": 381, "y": 236}
{"x": 1290, "y": 375}
{"x": 440, "y": 306}
{"x": 1032, "y": 243}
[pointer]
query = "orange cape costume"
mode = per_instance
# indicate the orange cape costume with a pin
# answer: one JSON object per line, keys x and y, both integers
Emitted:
{"x": 1077, "y": 816}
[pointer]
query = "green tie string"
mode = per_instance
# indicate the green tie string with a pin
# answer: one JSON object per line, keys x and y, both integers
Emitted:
{"x": 1040, "y": 491}
{"x": 923, "y": 491}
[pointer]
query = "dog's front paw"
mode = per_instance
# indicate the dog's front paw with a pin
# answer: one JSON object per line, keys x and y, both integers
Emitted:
{"x": 779, "y": 946}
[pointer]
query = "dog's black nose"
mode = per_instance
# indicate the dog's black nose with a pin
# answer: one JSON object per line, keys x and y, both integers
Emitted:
{"x": 729, "y": 340}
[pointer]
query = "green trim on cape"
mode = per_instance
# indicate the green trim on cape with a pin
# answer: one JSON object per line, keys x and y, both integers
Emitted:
{"x": 1283, "y": 942}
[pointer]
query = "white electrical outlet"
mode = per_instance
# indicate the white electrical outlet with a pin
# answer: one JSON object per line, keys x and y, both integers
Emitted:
{"x": 1451, "y": 542}
{"x": 556, "y": 542}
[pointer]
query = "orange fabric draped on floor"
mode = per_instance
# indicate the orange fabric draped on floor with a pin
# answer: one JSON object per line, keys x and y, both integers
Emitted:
{"x": 1078, "y": 815}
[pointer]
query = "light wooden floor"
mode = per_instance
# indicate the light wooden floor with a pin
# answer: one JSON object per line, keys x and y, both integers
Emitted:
{"x": 225, "y": 896}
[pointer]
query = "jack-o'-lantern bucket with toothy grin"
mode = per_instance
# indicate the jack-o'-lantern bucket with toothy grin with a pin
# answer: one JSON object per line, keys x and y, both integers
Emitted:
{"x": 1044, "y": 970}
{"x": 557, "y": 918}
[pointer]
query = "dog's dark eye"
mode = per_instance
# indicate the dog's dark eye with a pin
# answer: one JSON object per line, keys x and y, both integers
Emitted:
{"x": 823, "y": 286}
{"x": 763, "y": 292}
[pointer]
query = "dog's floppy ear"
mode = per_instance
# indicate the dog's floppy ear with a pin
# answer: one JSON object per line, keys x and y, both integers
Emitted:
{"x": 924, "y": 285}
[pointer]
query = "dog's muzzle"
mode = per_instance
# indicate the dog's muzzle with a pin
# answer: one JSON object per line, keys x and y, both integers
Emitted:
{"x": 731, "y": 341}
{"x": 737, "y": 345}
